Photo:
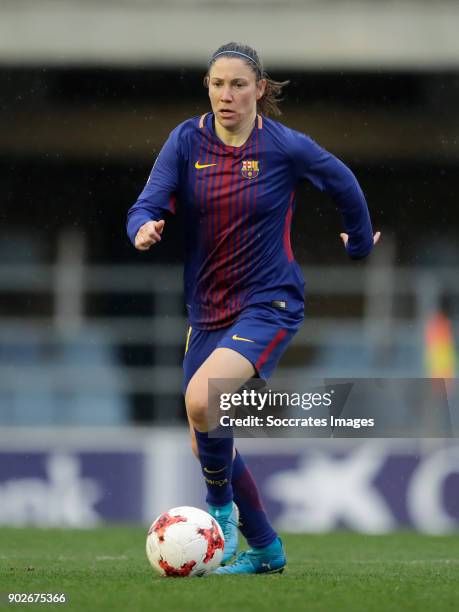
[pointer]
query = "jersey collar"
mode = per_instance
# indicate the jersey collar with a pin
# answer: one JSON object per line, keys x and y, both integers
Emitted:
{"x": 207, "y": 121}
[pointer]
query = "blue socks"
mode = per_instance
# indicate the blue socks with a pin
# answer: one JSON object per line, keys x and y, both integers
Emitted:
{"x": 216, "y": 458}
{"x": 227, "y": 480}
{"x": 253, "y": 521}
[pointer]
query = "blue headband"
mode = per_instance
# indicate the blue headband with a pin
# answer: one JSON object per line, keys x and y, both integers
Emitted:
{"x": 237, "y": 53}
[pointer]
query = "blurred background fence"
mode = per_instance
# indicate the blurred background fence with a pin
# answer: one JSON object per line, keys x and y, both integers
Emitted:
{"x": 92, "y": 424}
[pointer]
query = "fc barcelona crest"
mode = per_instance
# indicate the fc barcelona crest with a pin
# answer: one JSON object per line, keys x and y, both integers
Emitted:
{"x": 250, "y": 168}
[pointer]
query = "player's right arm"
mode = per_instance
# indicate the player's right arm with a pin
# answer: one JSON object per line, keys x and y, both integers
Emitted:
{"x": 145, "y": 219}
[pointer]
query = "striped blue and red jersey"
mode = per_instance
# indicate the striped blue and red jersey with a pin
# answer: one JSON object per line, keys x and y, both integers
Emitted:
{"x": 238, "y": 204}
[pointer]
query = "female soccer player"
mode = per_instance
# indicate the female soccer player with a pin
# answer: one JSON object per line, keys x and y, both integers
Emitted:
{"x": 234, "y": 173}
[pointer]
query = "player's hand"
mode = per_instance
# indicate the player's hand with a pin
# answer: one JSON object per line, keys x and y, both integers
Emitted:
{"x": 149, "y": 234}
{"x": 345, "y": 237}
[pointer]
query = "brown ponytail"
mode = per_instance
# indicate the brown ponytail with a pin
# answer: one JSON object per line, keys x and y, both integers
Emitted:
{"x": 269, "y": 103}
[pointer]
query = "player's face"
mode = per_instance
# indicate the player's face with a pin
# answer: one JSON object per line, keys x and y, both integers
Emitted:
{"x": 233, "y": 92}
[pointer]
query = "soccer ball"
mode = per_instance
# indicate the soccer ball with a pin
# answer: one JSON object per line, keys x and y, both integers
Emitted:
{"x": 185, "y": 541}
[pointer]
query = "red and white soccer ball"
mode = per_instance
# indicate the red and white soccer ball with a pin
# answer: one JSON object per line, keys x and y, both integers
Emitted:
{"x": 185, "y": 541}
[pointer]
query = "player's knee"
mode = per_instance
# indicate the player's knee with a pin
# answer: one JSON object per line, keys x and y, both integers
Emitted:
{"x": 196, "y": 407}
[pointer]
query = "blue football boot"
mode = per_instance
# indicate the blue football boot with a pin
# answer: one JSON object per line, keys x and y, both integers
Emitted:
{"x": 228, "y": 519}
{"x": 268, "y": 560}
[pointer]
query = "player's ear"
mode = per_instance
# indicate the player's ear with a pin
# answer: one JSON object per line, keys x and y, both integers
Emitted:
{"x": 261, "y": 88}
{"x": 206, "y": 83}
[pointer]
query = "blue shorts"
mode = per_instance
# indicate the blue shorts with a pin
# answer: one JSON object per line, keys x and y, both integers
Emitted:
{"x": 261, "y": 333}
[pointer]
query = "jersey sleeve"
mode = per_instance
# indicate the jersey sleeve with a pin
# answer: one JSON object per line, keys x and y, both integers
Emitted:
{"x": 329, "y": 174}
{"x": 159, "y": 194}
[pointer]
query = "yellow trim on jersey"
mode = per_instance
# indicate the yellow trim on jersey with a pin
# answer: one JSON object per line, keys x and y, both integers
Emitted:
{"x": 188, "y": 335}
{"x": 201, "y": 121}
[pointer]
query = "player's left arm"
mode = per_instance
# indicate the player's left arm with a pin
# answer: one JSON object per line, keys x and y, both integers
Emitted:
{"x": 329, "y": 174}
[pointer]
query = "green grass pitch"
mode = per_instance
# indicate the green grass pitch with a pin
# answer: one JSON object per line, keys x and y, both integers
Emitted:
{"x": 106, "y": 569}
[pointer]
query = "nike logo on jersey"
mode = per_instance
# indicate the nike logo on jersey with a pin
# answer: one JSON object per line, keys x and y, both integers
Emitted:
{"x": 199, "y": 166}
{"x": 236, "y": 337}
{"x": 213, "y": 471}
